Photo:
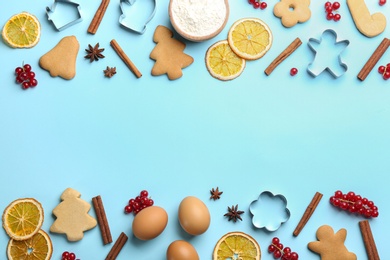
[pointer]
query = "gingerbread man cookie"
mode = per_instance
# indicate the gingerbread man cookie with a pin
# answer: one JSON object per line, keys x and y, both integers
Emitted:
{"x": 292, "y": 12}
{"x": 72, "y": 216}
{"x": 330, "y": 245}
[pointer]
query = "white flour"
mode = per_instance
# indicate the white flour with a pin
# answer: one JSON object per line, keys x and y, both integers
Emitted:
{"x": 198, "y": 17}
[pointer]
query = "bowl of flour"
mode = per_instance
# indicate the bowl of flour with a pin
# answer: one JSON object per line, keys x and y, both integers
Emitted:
{"x": 198, "y": 20}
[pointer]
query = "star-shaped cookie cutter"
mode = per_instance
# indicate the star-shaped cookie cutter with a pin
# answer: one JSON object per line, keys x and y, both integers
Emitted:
{"x": 51, "y": 10}
{"x": 123, "y": 16}
{"x": 329, "y": 69}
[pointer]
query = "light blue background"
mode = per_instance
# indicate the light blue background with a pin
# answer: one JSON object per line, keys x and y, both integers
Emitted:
{"x": 115, "y": 137}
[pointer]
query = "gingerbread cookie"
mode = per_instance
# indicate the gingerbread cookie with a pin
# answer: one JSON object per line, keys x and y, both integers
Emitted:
{"x": 330, "y": 245}
{"x": 168, "y": 54}
{"x": 369, "y": 25}
{"x": 61, "y": 60}
{"x": 292, "y": 12}
{"x": 72, "y": 216}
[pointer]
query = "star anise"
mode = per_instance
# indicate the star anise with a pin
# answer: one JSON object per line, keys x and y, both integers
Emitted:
{"x": 109, "y": 72}
{"x": 94, "y": 53}
{"x": 234, "y": 213}
{"x": 215, "y": 194}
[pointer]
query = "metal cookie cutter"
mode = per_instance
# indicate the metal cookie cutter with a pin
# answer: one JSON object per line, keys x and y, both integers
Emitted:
{"x": 50, "y": 11}
{"x": 123, "y": 16}
{"x": 269, "y": 211}
{"x": 336, "y": 69}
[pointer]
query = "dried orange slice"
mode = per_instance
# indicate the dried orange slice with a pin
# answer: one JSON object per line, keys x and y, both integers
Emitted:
{"x": 250, "y": 38}
{"x": 222, "y": 62}
{"x": 38, "y": 247}
{"x": 22, "y": 30}
{"x": 237, "y": 245}
{"x": 23, "y": 218}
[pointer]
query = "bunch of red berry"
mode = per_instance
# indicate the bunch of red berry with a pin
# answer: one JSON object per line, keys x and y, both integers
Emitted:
{"x": 139, "y": 203}
{"x": 385, "y": 71}
{"x": 68, "y": 256}
{"x": 329, "y": 8}
{"x": 258, "y": 4}
{"x": 382, "y": 2}
{"x": 354, "y": 204}
{"x": 25, "y": 76}
{"x": 279, "y": 251}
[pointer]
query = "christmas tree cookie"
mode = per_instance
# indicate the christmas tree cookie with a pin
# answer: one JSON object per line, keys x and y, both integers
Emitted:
{"x": 72, "y": 216}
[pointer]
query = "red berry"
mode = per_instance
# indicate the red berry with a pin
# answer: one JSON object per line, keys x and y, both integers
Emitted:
{"x": 382, "y": 2}
{"x": 27, "y": 67}
{"x": 293, "y": 71}
{"x": 328, "y": 9}
{"x": 336, "y": 5}
{"x": 256, "y": 5}
{"x": 72, "y": 256}
{"x": 336, "y": 17}
{"x": 33, "y": 82}
{"x": 271, "y": 248}
{"x": 294, "y": 256}
{"x": 128, "y": 209}
{"x": 23, "y": 76}
{"x": 277, "y": 254}
{"x": 287, "y": 250}
{"x": 150, "y": 202}
{"x": 131, "y": 202}
{"x": 327, "y": 4}
{"x": 136, "y": 205}
{"x": 65, "y": 254}
{"x": 144, "y": 193}
{"x": 19, "y": 80}
{"x": 338, "y": 194}
{"x": 25, "y": 85}
{"x": 30, "y": 75}
{"x": 18, "y": 70}
{"x": 329, "y": 16}
{"x": 263, "y": 5}
{"x": 275, "y": 241}
{"x": 386, "y": 75}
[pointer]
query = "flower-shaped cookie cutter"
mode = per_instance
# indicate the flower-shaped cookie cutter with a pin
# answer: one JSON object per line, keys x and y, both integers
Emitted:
{"x": 57, "y": 25}
{"x": 269, "y": 211}
{"x": 336, "y": 70}
{"x": 122, "y": 19}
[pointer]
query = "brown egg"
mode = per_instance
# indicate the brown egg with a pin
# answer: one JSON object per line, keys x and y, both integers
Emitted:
{"x": 150, "y": 222}
{"x": 181, "y": 250}
{"x": 194, "y": 216}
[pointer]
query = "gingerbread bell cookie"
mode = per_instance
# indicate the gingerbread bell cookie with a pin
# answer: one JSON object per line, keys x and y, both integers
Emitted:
{"x": 72, "y": 216}
{"x": 330, "y": 245}
{"x": 168, "y": 54}
{"x": 61, "y": 60}
{"x": 292, "y": 12}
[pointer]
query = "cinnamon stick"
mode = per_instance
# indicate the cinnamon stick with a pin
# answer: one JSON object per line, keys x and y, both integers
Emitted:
{"x": 125, "y": 58}
{"x": 102, "y": 219}
{"x": 282, "y": 56}
{"x": 368, "y": 239}
{"x": 94, "y": 25}
{"x": 117, "y": 247}
{"x": 379, "y": 51}
{"x": 308, "y": 212}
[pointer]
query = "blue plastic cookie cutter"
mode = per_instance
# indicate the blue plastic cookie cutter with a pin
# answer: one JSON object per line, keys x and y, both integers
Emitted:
{"x": 269, "y": 211}
{"x": 51, "y": 10}
{"x": 123, "y": 16}
{"x": 313, "y": 42}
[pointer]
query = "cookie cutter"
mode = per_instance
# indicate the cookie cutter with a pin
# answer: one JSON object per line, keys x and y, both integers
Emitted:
{"x": 51, "y": 10}
{"x": 343, "y": 65}
{"x": 123, "y": 16}
{"x": 269, "y": 211}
